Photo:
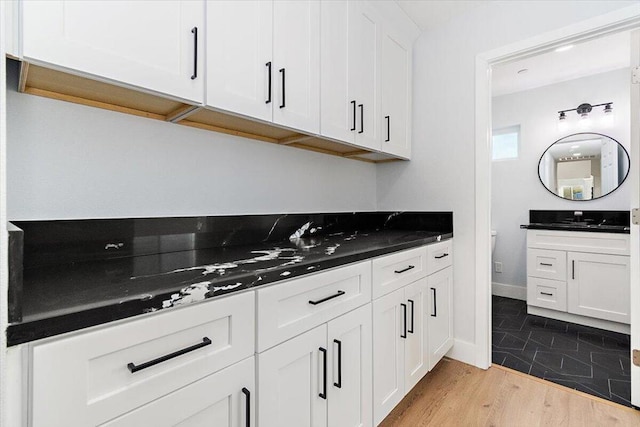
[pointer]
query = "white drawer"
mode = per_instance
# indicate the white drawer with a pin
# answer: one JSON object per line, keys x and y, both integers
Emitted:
{"x": 93, "y": 369}
{"x": 547, "y": 293}
{"x": 439, "y": 256}
{"x": 547, "y": 264}
{"x": 218, "y": 400}
{"x": 391, "y": 272}
{"x": 580, "y": 241}
{"x": 288, "y": 309}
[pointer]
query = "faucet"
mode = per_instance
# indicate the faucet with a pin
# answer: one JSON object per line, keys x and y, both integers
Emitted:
{"x": 577, "y": 216}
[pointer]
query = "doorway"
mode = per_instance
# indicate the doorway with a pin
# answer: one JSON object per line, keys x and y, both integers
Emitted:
{"x": 484, "y": 65}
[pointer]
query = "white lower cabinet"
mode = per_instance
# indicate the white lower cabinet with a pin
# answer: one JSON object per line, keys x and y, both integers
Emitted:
{"x": 439, "y": 314}
{"x": 224, "y": 399}
{"x": 320, "y": 378}
{"x": 598, "y": 286}
{"x": 580, "y": 277}
{"x": 412, "y": 331}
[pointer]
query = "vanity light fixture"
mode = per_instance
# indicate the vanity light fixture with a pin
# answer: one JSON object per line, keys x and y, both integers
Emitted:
{"x": 584, "y": 109}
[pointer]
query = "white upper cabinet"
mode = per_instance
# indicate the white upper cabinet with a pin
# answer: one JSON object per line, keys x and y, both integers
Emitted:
{"x": 364, "y": 42}
{"x": 296, "y": 64}
{"x": 264, "y": 60}
{"x": 158, "y": 46}
{"x": 239, "y": 59}
{"x": 350, "y": 50}
{"x": 396, "y": 94}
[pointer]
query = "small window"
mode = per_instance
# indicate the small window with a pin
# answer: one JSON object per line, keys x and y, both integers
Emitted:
{"x": 505, "y": 143}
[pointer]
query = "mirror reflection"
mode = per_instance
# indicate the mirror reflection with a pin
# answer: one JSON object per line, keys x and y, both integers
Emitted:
{"x": 583, "y": 166}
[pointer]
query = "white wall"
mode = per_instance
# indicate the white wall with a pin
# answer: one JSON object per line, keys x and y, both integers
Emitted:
{"x": 515, "y": 184}
{"x": 72, "y": 161}
{"x": 441, "y": 173}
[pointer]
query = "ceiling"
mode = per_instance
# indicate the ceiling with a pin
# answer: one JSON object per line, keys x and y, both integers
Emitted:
{"x": 428, "y": 14}
{"x": 592, "y": 57}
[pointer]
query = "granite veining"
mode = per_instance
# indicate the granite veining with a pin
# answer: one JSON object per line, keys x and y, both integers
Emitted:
{"x": 89, "y": 285}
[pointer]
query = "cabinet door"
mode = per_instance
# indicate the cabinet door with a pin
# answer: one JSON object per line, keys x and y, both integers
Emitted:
{"x": 337, "y": 107}
{"x": 349, "y": 396}
{"x": 239, "y": 54}
{"x": 598, "y": 286}
{"x": 291, "y": 379}
{"x": 396, "y": 98}
{"x": 389, "y": 326}
{"x": 416, "y": 350}
{"x": 224, "y": 399}
{"x": 365, "y": 31}
{"x": 440, "y": 314}
{"x": 151, "y": 45}
{"x": 296, "y": 62}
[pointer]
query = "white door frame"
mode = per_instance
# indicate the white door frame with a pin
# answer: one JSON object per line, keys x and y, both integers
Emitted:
{"x": 619, "y": 20}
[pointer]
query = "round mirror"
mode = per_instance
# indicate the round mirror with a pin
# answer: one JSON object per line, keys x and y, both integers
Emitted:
{"x": 583, "y": 166}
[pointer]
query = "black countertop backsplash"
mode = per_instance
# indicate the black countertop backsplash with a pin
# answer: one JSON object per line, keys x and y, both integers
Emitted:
{"x": 72, "y": 274}
{"x": 589, "y": 221}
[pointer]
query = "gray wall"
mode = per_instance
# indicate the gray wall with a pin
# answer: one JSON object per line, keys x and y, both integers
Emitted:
{"x": 440, "y": 175}
{"x": 515, "y": 184}
{"x": 72, "y": 161}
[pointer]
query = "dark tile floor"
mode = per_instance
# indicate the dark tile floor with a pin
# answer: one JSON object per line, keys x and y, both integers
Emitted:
{"x": 587, "y": 359}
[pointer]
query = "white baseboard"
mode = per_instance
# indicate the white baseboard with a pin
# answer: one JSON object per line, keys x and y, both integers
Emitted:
{"x": 608, "y": 325}
{"x": 463, "y": 351}
{"x": 509, "y": 291}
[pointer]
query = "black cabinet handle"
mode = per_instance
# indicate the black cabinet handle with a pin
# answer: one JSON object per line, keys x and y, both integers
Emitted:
{"x": 135, "y": 368}
{"x": 320, "y": 301}
{"x": 547, "y": 264}
{"x": 435, "y": 304}
{"x": 388, "y": 129}
{"x": 283, "y": 92}
{"x": 354, "y": 114}
{"x": 404, "y": 269}
{"x": 546, "y": 293}
{"x": 268, "y": 65}
{"x": 441, "y": 256}
{"x": 361, "y": 118}
{"x": 339, "y": 383}
{"x": 404, "y": 316}
{"x": 194, "y": 31}
{"x": 324, "y": 373}
{"x": 411, "y": 329}
{"x": 573, "y": 269}
{"x": 248, "y": 410}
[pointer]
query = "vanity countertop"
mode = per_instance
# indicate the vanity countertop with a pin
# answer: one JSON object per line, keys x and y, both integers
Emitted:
{"x": 86, "y": 290}
{"x": 596, "y": 228}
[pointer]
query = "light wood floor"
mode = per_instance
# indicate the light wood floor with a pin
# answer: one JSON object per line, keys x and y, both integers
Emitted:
{"x": 456, "y": 394}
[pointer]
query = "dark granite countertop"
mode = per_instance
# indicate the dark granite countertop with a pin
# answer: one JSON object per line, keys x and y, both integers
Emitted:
{"x": 595, "y": 228}
{"x": 578, "y": 220}
{"x": 86, "y": 290}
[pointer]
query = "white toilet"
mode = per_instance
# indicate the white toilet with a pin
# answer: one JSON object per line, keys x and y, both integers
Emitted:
{"x": 493, "y": 240}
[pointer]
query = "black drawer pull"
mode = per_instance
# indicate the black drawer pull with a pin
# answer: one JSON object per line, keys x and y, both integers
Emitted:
{"x": 404, "y": 269}
{"x": 324, "y": 373}
{"x": 361, "y": 106}
{"x": 353, "y": 103}
{"x": 411, "y": 328}
{"x": 248, "y": 410}
{"x": 268, "y": 65}
{"x": 339, "y": 383}
{"x": 435, "y": 303}
{"x": 388, "y": 129}
{"x": 573, "y": 269}
{"x": 194, "y": 31}
{"x": 547, "y": 264}
{"x": 546, "y": 293}
{"x": 135, "y": 368}
{"x": 282, "y": 105}
{"x": 441, "y": 256}
{"x": 404, "y": 323}
{"x": 320, "y": 301}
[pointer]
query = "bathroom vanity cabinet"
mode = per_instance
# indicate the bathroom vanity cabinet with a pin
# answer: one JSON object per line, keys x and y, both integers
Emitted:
{"x": 580, "y": 277}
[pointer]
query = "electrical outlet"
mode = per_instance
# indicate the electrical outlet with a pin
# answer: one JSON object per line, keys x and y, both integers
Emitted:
{"x": 498, "y": 267}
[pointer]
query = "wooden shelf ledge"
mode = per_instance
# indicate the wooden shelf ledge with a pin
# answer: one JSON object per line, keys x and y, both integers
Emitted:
{"x": 55, "y": 84}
